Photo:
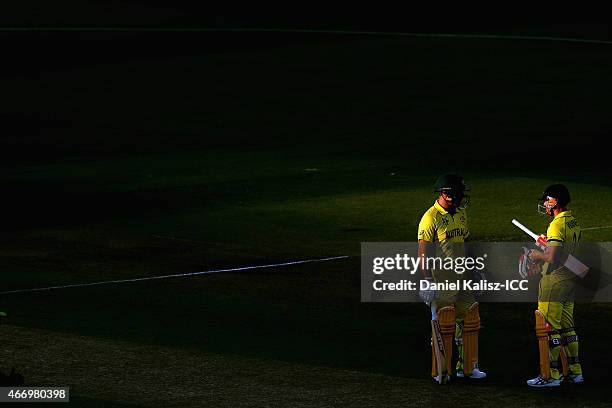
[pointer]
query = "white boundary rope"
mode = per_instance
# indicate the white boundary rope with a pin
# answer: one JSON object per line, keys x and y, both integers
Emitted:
{"x": 176, "y": 275}
{"x": 596, "y": 228}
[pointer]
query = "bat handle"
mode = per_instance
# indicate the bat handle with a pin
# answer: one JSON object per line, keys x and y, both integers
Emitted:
{"x": 542, "y": 242}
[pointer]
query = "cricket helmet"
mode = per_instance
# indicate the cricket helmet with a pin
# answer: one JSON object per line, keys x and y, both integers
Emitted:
{"x": 554, "y": 196}
{"x": 453, "y": 186}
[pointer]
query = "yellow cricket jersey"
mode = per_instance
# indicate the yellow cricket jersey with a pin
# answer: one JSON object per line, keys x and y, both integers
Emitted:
{"x": 563, "y": 230}
{"x": 438, "y": 225}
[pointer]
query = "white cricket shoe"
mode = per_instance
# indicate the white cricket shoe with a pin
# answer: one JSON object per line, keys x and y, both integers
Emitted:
{"x": 476, "y": 374}
{"x": 574, "y": 379}
{"x": 543, "y": 382}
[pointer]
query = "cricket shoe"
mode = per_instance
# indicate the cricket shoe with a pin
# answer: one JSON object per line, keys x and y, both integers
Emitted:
{"x": 573, "y": 379}
{"x": 476, "y": 374}
{"x": 540, "y": 382}
{"x": 437, "y": 379}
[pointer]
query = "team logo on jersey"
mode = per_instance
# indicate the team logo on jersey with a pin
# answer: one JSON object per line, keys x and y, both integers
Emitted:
{"x": 445, "y": 222}
{"x": 462, "y": 219}
{"x": 456, "y": 232}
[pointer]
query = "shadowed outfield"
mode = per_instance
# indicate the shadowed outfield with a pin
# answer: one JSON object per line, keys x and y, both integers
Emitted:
{"x": 296, "y": 336}
{"x": 135, "y": 164}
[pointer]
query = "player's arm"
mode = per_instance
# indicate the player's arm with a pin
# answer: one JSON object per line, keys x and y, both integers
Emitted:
{"x": 422, "y": 252}
{"x": 426, "y": 236}
{"x": 553, "y": 253}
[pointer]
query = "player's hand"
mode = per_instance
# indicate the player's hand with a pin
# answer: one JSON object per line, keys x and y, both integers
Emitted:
{"x": 527, "y": 267}
{"x": 428, "y": 295}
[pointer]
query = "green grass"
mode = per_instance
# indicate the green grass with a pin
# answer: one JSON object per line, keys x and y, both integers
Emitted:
{"x": 158, "y": 166}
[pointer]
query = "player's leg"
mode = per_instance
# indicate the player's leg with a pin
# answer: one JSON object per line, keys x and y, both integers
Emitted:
{"x": 471, "y": 328}
{"x": 552, "y": 313}
{"x": 463, "y": 302}
{"x": 466, "y": 338}
{"x": 569, "y": 339}
{"x": 547, "y": 325}
{"x": 461, "y": 310}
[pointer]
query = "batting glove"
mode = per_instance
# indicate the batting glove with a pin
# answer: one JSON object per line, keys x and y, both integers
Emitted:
{"x": 428, "y": 295}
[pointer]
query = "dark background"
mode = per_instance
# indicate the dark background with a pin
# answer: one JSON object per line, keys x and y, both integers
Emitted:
{"x": 135, "y": 145}
{"x": 41, "y": 37}
{"x": 410, "y": 17}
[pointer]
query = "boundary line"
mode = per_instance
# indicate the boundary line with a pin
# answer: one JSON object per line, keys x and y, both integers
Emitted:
{"x": 596, "y": 228}
{"x": 176, "y": 275}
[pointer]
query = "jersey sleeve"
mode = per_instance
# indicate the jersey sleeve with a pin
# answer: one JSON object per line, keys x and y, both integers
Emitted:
{"x": 427, "y": 228}
{"x": 555, "y": 235}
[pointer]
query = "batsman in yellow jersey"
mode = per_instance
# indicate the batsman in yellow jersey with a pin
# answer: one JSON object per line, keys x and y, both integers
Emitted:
{"x": 454, "y": 313}
{"x": 555, "y": 314}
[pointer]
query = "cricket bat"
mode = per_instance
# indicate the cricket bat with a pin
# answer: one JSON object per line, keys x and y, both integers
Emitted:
{"x": 571, "y": 263}
{"x": 438, "y": 343}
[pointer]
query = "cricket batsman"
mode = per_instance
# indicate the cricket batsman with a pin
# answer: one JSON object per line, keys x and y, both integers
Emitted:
{"x": 554, "y": 316}
{"x": 455, "y": 312}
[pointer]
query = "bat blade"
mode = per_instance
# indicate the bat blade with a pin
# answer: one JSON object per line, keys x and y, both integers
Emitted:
{"x": 525, "y": 229}
{"x": 438, "y": 342}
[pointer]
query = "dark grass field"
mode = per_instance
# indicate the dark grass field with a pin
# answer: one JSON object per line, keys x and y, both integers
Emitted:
{"x": 129, "y": 155}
